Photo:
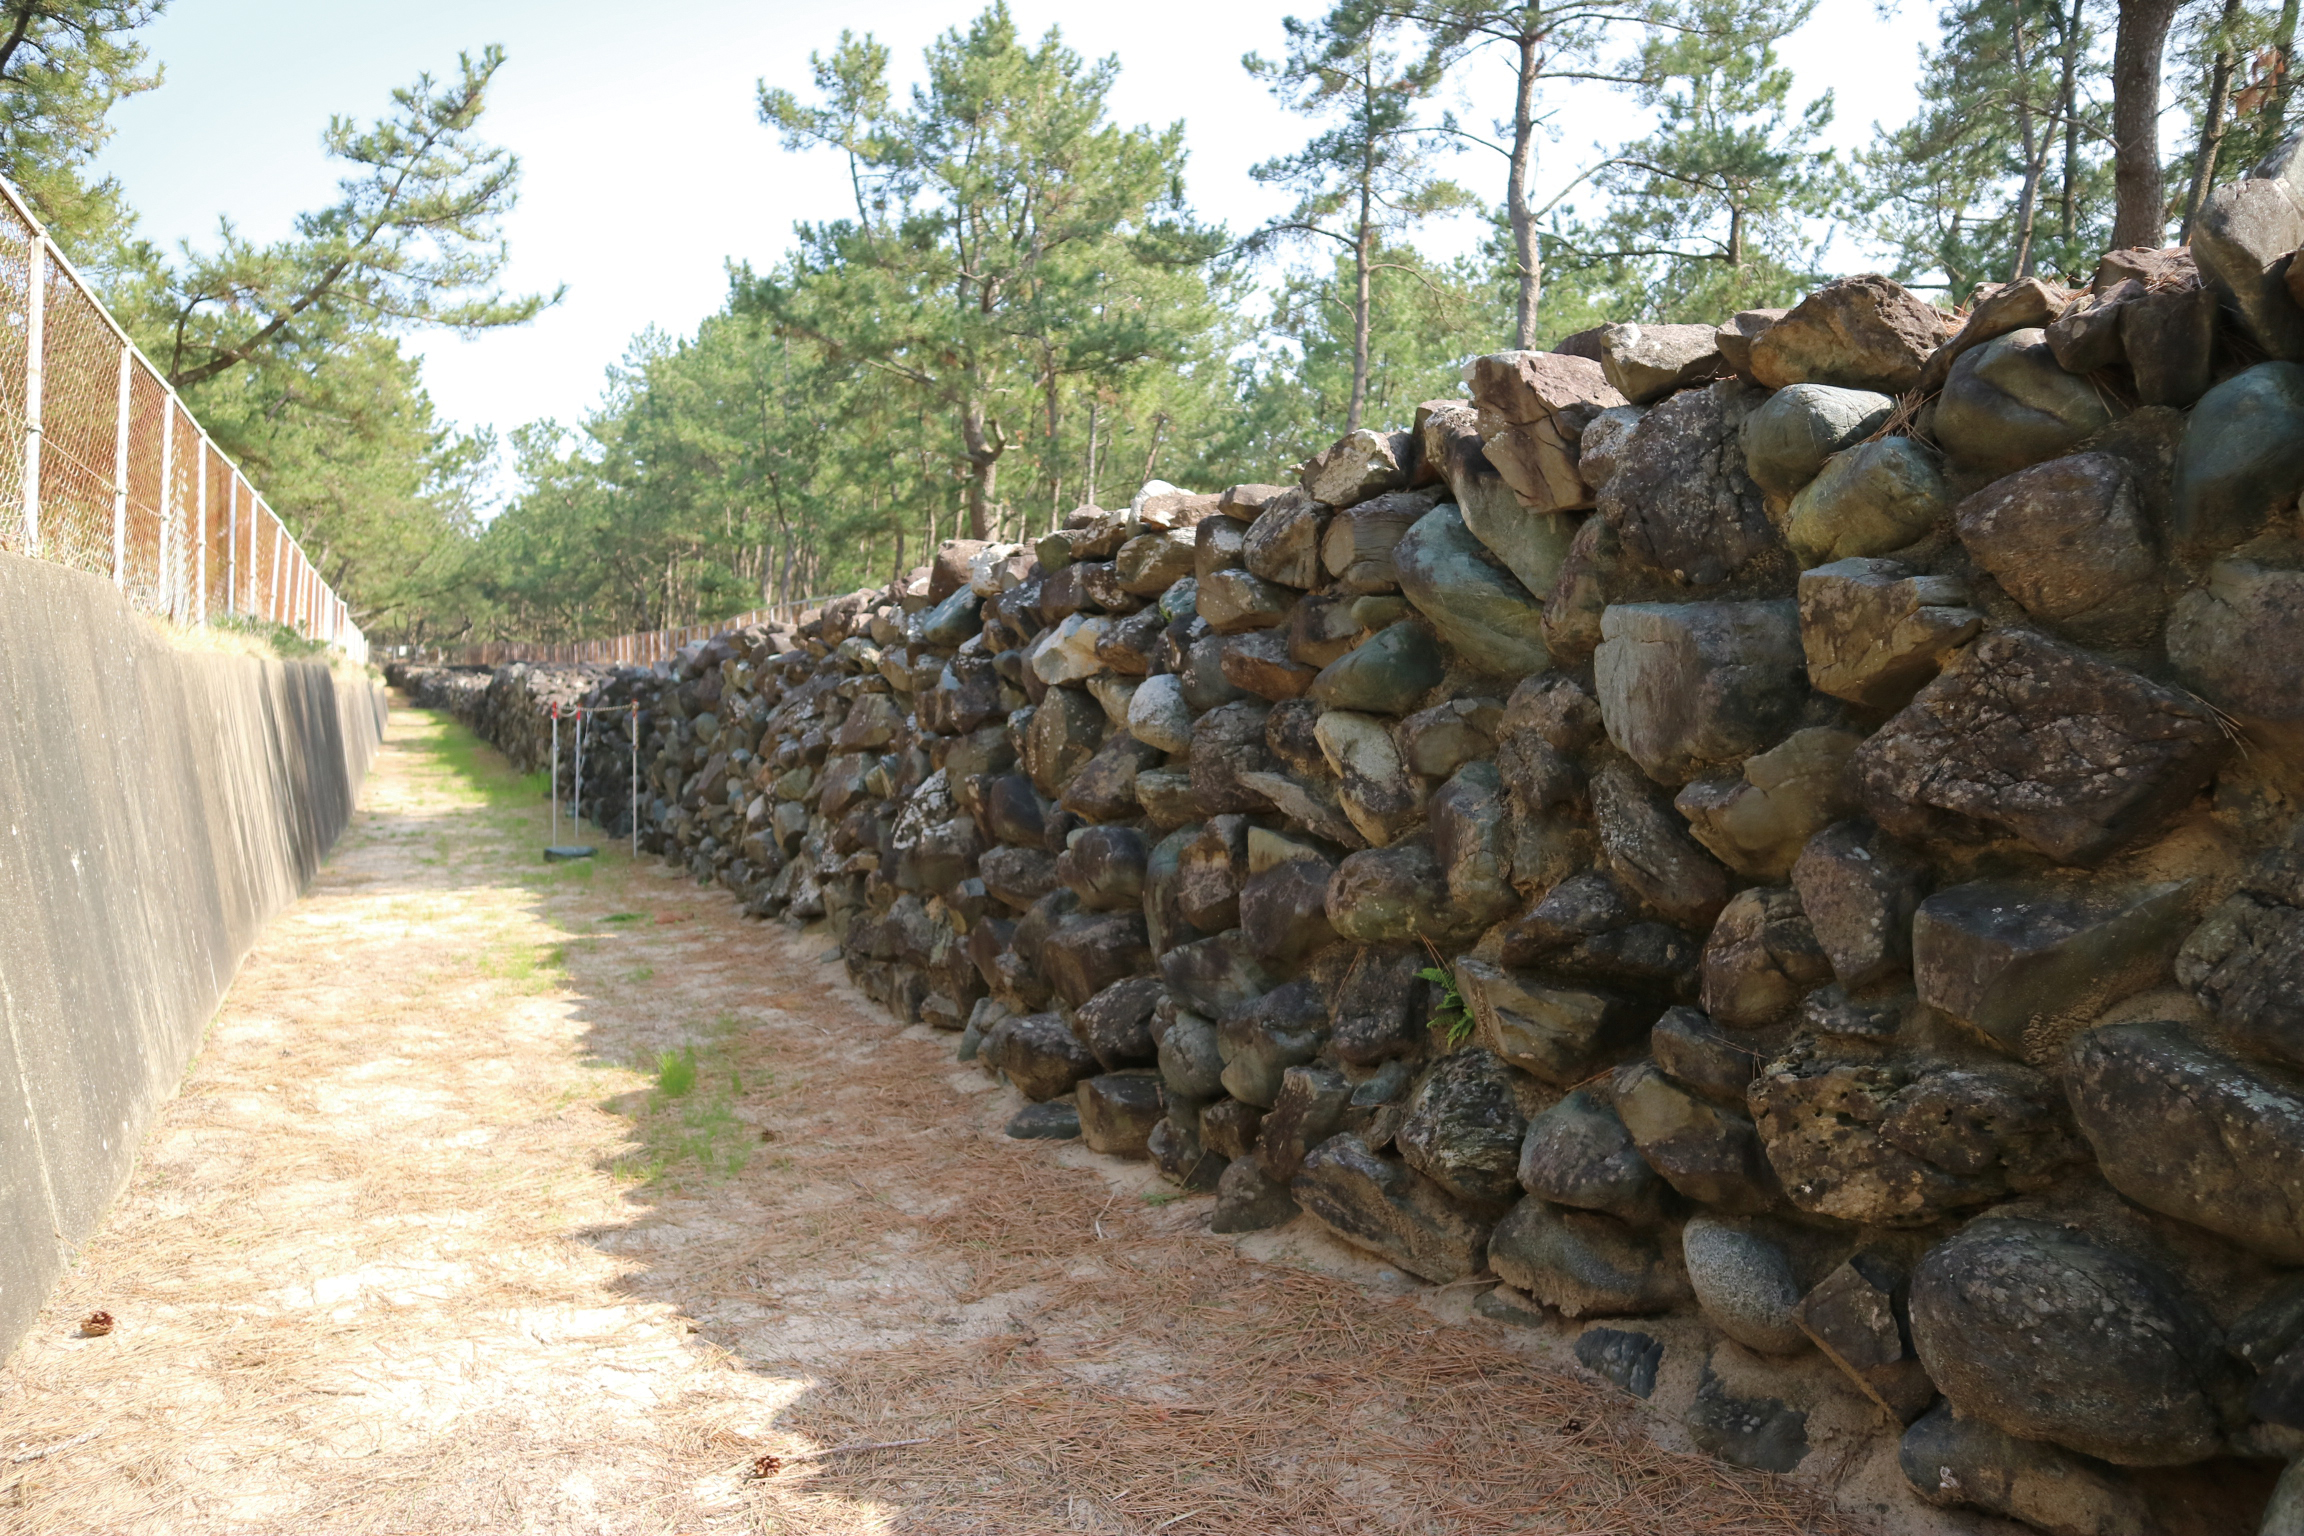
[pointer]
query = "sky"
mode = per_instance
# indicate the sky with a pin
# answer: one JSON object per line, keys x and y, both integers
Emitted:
{"x": 647, "y": 170}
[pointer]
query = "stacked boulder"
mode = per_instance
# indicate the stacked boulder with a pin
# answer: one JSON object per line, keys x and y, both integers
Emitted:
{"x": 1791, "y": 826}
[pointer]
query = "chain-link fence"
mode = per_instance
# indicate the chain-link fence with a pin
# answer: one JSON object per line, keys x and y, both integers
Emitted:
{"x": 109, "y": 473}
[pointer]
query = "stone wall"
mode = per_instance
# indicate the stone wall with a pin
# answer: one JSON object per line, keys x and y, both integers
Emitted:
{"x": 1779, "y": 838}
{"x": 159, "y": 805}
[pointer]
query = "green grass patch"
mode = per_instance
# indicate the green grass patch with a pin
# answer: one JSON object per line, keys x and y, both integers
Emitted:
{"x": 621, "y": 917}
{"x": 526, "y": 967}
{"x": 483, "y": 769}
{"x": 676, "y": 1072}
{"x": 686, "y": 1122}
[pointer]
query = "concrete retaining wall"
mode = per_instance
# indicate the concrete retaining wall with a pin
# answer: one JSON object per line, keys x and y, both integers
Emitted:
{"x": 156, "y": 808}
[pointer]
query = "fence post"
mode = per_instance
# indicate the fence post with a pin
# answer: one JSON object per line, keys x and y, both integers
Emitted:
{"x": 120, "y": 483}
{"x": 35, "y": 369}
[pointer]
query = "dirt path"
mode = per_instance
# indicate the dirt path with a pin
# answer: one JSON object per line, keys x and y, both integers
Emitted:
{"x": 507, "y": 1197}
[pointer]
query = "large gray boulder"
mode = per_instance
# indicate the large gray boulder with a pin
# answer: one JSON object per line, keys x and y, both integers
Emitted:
{"x": 2069, "y": 753}
{"x": 1744, "y": 1283}
{"x": 2052, "y": 1336}
{"x": 1386, "y": 674}
{"x": 2226, "y": 1146}
{"x": 1494, "y": 624}
{"x": 2008, "y": 404}
{"x": 1686, "y": 687}
{"x": 1262, "y": 1038}
{"x": 2237, "y": 640}
{"x": 2022, "y": 962}
{"x": 1577, "y": 1153}
{"x": 1868, "y": 500}
{"x": 1681, "y": 499}
{"x": 2241, "y": 239}
{"x": 1463, "y": 1128}
{"x": 2071, "y": 541}
{"x": 1788, "y": 439}
{"x": 1649, "y": 851}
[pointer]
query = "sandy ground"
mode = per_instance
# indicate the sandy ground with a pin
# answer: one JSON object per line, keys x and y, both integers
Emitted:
{"x": 506, "y": 1197}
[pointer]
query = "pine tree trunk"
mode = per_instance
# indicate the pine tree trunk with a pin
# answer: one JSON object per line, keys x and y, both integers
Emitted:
{"x": 2028, "y": 200}
{"x": 984, "y": 450}
{"x": 1524, "y": 247}
{"x": 2070, "y": 108}
{"x": 2212, "y": 121}
{"x": 2140, "y": 216}
{"x": 1361, "y": 256}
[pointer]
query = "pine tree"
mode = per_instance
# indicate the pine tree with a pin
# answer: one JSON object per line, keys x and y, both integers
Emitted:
{"x": 1713, "y": 211}
{"x": 1007, "y": 236}
{"x": 1367, "y": 177}
{"x": 2003, "y": 172}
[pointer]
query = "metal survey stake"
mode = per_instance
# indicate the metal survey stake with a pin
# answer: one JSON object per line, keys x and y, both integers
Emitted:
{"x": 557, "y": 852}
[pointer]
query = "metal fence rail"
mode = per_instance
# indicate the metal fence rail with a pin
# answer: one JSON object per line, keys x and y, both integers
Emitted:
{"x": 113, "y": 476}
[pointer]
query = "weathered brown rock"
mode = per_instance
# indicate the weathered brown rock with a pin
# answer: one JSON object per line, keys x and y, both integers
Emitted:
{"x": 2026, "y": 304}
{"x": 1681, "y": 499}
{"x": 1283, "y": 544}
{"x": 1860, "y": 1137}
{"x": 1234, "y": 602}
{"x": 1384, "y": 1205}
{"x": 2018, "y": 960}
{"x": 1357, "y": 545}
{"x": 1533, "y": 410}
{"x": 1356, "y": 466}
{"x": 1555, "y": 1032}
{"x": 1647, "y": 362}
{"x": 1761, "y": 959}
{"x": 1118, "y": 1111}
{"x": 1734, "y": 340}
{"x": 1039, "y": 1053}
{"x": 1757, "y": 821}
{"x": 2069, "y": 539}
{"x": 1874, "y": 631}
{"x": 2066, "y": 751}
{"x": 1859, "y": 333}
{"x": 1258, "y": 662}
{"x": 1860, "y": 889}
{"x": 1852, "y": 1318}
